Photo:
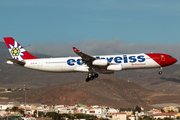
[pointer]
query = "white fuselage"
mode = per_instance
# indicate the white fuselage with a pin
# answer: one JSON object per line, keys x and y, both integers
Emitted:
{"x": 74, "y": 64}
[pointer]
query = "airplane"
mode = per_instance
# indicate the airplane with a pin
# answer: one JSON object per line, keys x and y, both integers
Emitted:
{"x": 92, "y": 65}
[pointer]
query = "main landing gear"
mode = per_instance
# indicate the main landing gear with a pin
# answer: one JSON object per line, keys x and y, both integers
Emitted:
{"x": 160, "y": 71}
{"x": 91, "y": 76}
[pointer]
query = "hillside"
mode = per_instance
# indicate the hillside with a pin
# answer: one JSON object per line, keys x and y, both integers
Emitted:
{"x": 168, "y": 82}
{"x": 105, "y": 91}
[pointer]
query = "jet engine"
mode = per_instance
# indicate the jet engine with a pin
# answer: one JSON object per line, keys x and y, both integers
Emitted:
{"x": 114, "y": 67}
{"x": 100, "y": 62}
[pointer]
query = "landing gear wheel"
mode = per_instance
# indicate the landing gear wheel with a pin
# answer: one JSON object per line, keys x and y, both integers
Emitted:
{"x": 87, "y": 79}
{"x": 92, "y": 77}
{"x": 160, "y": 72}
{"x": 96, "y": 75}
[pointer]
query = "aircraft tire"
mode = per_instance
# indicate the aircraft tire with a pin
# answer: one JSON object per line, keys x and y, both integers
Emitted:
{"x": 87, "y": 79}
{"x": 92, "y": 77}
{"x": 160, "y": 72}
{"x": 96, "y": 75}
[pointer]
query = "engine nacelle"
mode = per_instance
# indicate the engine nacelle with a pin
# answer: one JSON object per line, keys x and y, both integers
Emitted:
{"x": 100, "y": 62}
{"x": 114, "y": 67}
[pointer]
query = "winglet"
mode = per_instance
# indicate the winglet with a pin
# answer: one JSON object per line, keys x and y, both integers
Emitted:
{"x": 83, "y": 55}
{"x": 75, "y": 49}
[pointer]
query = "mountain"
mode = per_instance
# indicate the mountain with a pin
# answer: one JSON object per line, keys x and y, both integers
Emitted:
{"x": 104, "y": 91}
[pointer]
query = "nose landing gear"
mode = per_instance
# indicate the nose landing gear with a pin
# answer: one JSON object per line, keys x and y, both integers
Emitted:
{"x": 91, "y": 76}
{"x": 160, "y": 71}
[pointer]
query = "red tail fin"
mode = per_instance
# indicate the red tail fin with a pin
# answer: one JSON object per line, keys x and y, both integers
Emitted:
{"x": 16, "y": 50}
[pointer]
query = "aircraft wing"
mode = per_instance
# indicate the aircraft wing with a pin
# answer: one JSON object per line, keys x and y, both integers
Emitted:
{"x": 22, "y": 63}
{"x": 87, "y": 59}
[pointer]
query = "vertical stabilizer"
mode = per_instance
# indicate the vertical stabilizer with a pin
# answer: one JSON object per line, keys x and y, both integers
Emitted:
{"x": 16, "y": 50}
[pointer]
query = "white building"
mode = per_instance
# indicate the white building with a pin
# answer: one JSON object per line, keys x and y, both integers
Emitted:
{"x": 110, "y": 111}
{"x": 94, "y": 111}
{"x": 119, "y": 116}
{"x": 67, "y": 110}
{"x": 163, "y": 115}
{"x": 28, "y": 118}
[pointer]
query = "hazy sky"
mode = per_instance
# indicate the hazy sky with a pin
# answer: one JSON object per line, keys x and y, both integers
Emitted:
{"x": 133, "y": 25}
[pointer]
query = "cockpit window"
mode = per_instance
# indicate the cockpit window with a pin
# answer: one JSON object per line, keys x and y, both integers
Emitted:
{"x": 170, "y": 57}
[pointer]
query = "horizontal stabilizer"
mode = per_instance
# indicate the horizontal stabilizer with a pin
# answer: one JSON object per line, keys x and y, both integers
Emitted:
{"x": 22, "y": 63}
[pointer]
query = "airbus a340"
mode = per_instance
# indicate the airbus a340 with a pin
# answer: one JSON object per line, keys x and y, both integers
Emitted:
{"x": 106, "y": 64}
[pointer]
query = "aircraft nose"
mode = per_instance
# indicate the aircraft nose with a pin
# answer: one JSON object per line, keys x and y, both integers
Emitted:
{"x": 175, "y": 60}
